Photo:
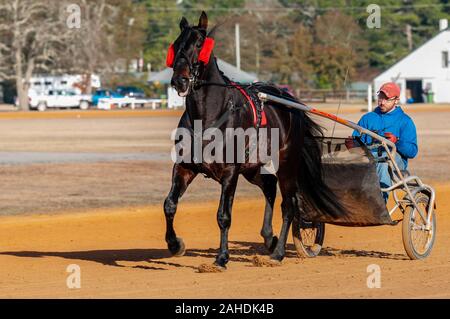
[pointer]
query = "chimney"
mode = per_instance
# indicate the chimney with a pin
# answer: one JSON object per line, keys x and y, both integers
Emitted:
{"x": 443, "y": 24}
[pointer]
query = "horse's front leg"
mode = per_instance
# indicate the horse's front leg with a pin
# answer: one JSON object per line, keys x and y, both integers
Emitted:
{"x": 229, "y": 184}
{"x": 181, "y": 178}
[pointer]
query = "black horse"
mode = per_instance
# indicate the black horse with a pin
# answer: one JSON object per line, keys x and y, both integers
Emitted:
{"x": 209, "y": 97}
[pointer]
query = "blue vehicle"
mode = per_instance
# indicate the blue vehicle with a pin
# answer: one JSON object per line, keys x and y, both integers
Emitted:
{"x": 131, "y": 91}
{"x": 104, "y": 93}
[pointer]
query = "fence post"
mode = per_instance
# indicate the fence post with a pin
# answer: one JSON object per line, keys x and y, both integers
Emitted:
{"x": 369, "y": 98}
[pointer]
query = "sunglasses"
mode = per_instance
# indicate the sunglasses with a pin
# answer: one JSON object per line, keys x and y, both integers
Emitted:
{"x": 380, "y": 97}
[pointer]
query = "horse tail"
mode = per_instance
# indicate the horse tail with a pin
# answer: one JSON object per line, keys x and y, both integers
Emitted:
{"x": 314, "y": 192}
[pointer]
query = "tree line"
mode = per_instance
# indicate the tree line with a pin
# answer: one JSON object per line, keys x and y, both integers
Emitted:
{"x": 304, "y": 43}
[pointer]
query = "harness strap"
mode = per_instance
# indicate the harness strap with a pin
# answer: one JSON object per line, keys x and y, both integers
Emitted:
{"x": 259, "y": 116}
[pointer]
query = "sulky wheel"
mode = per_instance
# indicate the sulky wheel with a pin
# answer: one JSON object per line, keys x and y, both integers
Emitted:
{"x": 308, "y": 237}
{"x": 418, "y": 240}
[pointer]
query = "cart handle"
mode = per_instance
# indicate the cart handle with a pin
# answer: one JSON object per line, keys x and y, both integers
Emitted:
{"x": 267, "y": 97}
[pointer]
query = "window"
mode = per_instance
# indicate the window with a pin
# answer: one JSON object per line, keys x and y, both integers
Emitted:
{"x": 445, "y": 59}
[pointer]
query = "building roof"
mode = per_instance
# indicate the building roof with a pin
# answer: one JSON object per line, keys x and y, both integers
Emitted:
{"x": 232, "y": 72}
{"x": 382, "y": 74}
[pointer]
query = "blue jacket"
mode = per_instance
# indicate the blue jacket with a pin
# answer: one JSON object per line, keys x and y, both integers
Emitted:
{"x": 395, "y": 122}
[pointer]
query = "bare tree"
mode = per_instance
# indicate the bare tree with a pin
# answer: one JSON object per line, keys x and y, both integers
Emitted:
{"x": 111, "y": 31}
{"x": 92, "y": 43}
{"x": 91, "y": 48}
{"x": 32, "y": 33}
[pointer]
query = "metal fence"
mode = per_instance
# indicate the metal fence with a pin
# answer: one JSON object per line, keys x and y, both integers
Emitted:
{"x": 321, "y": 95}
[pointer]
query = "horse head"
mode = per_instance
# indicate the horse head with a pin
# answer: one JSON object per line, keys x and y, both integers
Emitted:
{"x": 189, "y": 54}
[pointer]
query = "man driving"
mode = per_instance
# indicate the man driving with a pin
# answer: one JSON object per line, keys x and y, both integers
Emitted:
{"x": 389, "y": 120}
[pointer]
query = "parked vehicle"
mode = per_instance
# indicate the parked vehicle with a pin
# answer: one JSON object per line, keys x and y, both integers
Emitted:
{"x": 104, "y": 93}
{"x": 42, "y": 83}
{"x": 131, "y": 91}
{"x": 58, "y": 99}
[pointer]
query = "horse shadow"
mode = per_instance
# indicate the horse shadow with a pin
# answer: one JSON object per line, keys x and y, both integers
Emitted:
{"x": 161, "y": 259}
{"x": 239, "y": 252}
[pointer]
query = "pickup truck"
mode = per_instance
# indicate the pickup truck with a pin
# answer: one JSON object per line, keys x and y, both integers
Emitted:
{"x": 59, "y": 99}
{"x": 105, "y": 94}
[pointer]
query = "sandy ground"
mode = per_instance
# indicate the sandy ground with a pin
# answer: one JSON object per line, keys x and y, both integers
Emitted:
{"x": 121, "y": 253}
{"x": 64, "y": 201}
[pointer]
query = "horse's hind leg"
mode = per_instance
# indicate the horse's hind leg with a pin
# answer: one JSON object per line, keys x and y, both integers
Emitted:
{"x": 181, "y": 178}
{"x": 289, "y": 206}
{"x": 268, "y": 184}
{"x": 270, "y": 192}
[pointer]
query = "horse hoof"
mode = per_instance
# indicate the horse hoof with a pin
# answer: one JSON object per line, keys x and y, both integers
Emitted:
{"x": 207, "y": 268}
{"x": 181, "y": 248}
{"x": 273, "y": 244}
{"x": 259, "y": 261}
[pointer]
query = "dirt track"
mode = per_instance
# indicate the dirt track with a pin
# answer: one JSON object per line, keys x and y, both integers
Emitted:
{"x": 107, "y": 218}
{"x": 122, "y": 254}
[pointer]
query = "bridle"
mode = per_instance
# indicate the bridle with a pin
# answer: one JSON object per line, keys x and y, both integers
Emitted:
{"x": 194, "y": 67}
{"x": 195, "y": 83}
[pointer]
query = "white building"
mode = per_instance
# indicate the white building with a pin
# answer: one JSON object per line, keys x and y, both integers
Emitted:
{"x": 425, "y": 69}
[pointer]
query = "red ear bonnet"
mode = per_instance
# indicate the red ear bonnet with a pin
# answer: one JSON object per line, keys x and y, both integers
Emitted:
{"x": 205, "y": 53}
{"x": 170, "y": 56}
